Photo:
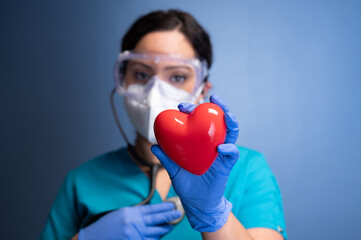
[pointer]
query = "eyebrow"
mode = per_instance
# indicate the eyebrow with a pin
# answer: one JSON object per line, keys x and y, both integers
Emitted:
{"x": 175, "y": 67}
{"x": 166, "y": 68}
{"x": 141, "y": 64}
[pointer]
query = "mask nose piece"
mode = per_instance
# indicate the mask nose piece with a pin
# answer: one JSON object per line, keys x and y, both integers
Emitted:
{"x": 151, "y": 84}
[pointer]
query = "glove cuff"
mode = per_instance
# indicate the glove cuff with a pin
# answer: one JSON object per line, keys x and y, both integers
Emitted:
{"x": 80, "y": 235}
{"x": 209, "y": 222}
{"x": 84, "y": 235}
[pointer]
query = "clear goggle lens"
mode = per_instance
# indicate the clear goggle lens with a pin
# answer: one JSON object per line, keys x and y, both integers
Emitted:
{"x": 139, "y": 68}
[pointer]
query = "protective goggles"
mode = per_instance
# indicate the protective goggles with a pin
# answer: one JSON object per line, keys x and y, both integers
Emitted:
{"x": 141, "y": 68}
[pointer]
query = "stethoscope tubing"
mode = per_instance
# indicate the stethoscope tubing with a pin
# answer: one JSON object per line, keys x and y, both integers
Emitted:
{"x": 154, "y": 170}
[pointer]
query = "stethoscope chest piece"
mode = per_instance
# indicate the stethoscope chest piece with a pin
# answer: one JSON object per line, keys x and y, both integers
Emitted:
{"x": 178, "y": 205}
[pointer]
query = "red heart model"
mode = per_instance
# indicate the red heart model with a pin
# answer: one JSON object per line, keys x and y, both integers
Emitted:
{"x": 191, "y": 140}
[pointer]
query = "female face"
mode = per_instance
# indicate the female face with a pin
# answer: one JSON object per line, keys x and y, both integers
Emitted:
{"x": 178, "y": 74}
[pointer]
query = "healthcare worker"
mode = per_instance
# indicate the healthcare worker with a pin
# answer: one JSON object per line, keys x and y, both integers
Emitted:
{"x": 164, "y": 63}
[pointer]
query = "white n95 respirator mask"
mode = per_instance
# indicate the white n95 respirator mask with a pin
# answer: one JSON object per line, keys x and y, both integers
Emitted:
{"x": 152, "y": 83}
{"x": 161, "y": 96}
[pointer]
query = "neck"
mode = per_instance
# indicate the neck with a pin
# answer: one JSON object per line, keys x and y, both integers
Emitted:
{"x": 142, "y": 148}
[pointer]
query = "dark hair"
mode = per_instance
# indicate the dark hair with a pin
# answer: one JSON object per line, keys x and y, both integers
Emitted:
{"x": 170, "y": 20}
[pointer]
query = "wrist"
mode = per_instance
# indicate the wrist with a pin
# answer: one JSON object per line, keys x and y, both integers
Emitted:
{"x": 85, "y": 234}
{"x": 81, "y": 235}
{"x": 210, "y": 220}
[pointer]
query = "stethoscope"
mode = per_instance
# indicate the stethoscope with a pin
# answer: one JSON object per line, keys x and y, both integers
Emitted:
{"x": 153, "y": 173}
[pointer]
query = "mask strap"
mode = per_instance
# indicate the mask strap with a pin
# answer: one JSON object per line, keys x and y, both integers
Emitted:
{"x": 199, "y": 92}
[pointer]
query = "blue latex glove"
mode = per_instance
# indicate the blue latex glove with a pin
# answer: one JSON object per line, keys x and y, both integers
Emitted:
{"x": 139, "y": 222}
{"x": 202, "y": 196}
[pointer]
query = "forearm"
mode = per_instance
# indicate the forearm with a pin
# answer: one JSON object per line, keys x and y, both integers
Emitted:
{"x": 232, "y": 229}
{"x": 75, "y": 237}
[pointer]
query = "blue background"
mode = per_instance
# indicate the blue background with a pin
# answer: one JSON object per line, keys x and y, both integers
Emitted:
{"x": 290, "y": 71}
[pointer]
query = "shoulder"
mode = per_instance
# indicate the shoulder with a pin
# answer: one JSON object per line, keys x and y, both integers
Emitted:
{"x": 254, "y": 192}
{"x": 248, "y": 161}
{"x": 113, "y": 162}
{"x": 252, "y": 171}
{"x": 79, "y": 191}
{"x": 248, "y": 155}
{"x": 117, "y": 156}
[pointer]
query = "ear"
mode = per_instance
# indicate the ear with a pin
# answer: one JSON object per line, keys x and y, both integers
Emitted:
{"x": 206, "y": 88}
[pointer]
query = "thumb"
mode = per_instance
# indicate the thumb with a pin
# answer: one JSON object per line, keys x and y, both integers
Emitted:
{"x": 167, "y": 163}
{"x": 186, "y": 107}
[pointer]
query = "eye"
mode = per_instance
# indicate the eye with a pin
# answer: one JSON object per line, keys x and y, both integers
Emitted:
{"x": 141, "y": 76}
{"x": 178, "y": 78}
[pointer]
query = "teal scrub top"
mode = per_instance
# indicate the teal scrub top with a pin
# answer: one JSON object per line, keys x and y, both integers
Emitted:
{"x": 113, "y": 180}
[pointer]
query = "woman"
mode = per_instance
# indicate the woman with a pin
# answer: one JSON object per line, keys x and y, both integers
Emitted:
{"x": 164, "y": 61}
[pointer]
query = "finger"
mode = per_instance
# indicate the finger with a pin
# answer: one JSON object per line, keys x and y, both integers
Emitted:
{"x": 167, "y": 163}
{"x": 232, "y": 128}
{"x": 157, "y": 208}
{"x": 229, "y": 154}
{"x": 161, "y": 218}
{"x": 157, "y": 231}
{"x": 186, "y": 107}
{"x": 219, "y": 101}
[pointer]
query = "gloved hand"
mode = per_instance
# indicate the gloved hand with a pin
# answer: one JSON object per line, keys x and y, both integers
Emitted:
{"x": 139, "y": 222}
{"x": 202, "y": 196}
